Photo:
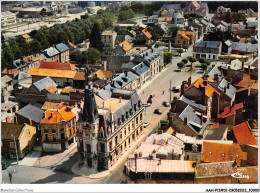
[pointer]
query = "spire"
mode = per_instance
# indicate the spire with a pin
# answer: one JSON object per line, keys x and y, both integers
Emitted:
{"x": 90, "y": 113}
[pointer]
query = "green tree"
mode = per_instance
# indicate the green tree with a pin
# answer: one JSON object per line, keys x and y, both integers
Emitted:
{"x": 173, "y": 31}
{"x": 125, "y": 15}
{"x": 185, "y": 47}
{"x": 17, "y": 52}
{"x": 93, "y": 55}
{"x": 180, "y": 51}
{"x": 95, "y": 37}
{"x": 2, "y": 38}
{"x": 167, "y": 57}
{"x": 192, "y": 60}
{"x": 204, "y": 66}
{"x": 156, "y": 32}
{"x": 180, "y": 64}
{"x": 185, "y": 61}
{"x": 8, "y": 55}
{"x": 36, "y": 46}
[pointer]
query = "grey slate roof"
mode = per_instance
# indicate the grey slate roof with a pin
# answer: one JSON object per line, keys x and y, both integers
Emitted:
{"x": 7, "y": 105}
{"x": 6, "y": 79}
{"x": 252, "y": 24}
{"x": 208, "y": 44}
{"x": 214, "y": 70}
{"x": 128, "y": 65}
{"x": 22, "y": 76}
{"x": 191, "y": 103}
{"x": 31, "y": 112}
{"x": 171, "y": 6}
{"x": 192, "y": 118}
{"x": 140, "y": 68}
{"x": 105, "y": 94}
{"x": 19, "y": 63}
{"x": 217, "y": 133}
{"x": 153, "y": 17}
{"x": 128, "y": 38}
{"x": 43, "y": 83}
{"x": 231, "y": 91}
{"x": 120, "y": 38}
{"x": 203, "y": 21}
{"x": 50, "y": 52}
{"x": 245, "y": 47}
{"x": 228, "y": 43}
{"x": 62, "y": 47}
{"x": 122, "y": 79}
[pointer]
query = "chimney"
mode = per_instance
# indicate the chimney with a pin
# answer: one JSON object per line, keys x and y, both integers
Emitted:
{"x": 189, "y": 81}
{"x": 7, "y": 119}
{"x": 249, "y": 69}
{"x": 216, "y": 77}
{"x": 31, "y": 123}
{"x": 170, "y": 117}
{"x": 125, "y": 73}
{"x": 105, "y": 65}
{"x": 120, "y": 99}
{"x": 182, "y": 88}
{"x": 243, "y": 65}
{"x": 225, "y": 89}
{"x": 185, "y": 121}
{"x": 15, "y": 120}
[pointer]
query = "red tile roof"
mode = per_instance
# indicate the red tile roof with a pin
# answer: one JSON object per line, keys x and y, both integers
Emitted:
{"x": 255, "y": 64}
{"x": 244, "y": 84}
{"x": 221, "y": 152}
{"x": 147, "y": 33}
{"x": 243, "y": 134}
{"x": 55, "y": 116}
{"x": 56, "y": 65}
{"x": 79, "y": 76}
{"x": 9, "y": 71}
{"x": 228, "y": 111}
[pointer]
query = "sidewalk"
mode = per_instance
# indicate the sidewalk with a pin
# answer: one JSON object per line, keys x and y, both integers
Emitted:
{"x": 30, "y": 159}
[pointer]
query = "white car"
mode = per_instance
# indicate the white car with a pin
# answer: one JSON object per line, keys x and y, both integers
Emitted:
{"x": 146, "y": 123}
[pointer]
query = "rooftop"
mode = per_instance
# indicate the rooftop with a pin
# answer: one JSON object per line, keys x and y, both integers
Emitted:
{"x": 79, "y": 76}
{"x": 208, "y": 44}
{"x": 52, "y": 105}
{"x": 108, "y": 33}
{"x": 101, "y": 74}
{"x": 50, "y": 52}
{"x": 244, "y": 47}
{"x": 11, "y": 130}
{"x": 56, "y": 65}
{"x": 58, "y": 115}
{"x": 61, "y": 47}
{"x": 165, "y": 19}
{"x": 114, "y": 104}
{"x": 52, "y": 73}
{"x": 31, "y": 112}
{"x": 244, "y": 135}
{"x": 147, "y": 33}
{"x": 228, "y": 111}
{"x": 126, "y": 45}
{"x": 45, "y": 83}
{"x": 216, "y": 133}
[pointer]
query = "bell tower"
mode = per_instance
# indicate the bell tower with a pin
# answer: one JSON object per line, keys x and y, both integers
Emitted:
{"x": 88, "y": 124}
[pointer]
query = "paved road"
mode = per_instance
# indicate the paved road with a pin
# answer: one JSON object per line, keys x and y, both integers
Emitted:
{"x": 157, "y": 85}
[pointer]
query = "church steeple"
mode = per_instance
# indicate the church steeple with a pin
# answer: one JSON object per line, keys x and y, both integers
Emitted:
{"x": 90, "y": 113}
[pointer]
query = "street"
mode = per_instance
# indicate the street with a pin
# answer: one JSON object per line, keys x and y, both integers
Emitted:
{"x": 160, "y": 83}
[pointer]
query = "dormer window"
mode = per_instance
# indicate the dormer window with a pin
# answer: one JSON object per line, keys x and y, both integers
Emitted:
{"x": 134, "y": 107}
{"x": 119, "y": 122}
{"x": 195, "y": 147}
{"x": 123, "y": 118}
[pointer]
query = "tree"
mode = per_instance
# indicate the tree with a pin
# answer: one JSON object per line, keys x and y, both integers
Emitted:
{"x": 173, "y": 31}
{"x": 167, "y": 57}
{"x": 180, "y": 51}
{"x": 93, "y": 55}
{"x": 156, "y": 32}
{"x": 2, "y": 38}
{"x": 192, "y": 60}
{"x": 36, "y": 46}
{"x": 125, "y": 15}
{"x": 202, "y": 59}
{"x": 180, "y": 64}
{"x": 185, "y": 47}
{"x": 185, "y": 61}
{"x": 95, "y": 37}
{"x": 7, "y": 54}
{"x": 204, "y": 66}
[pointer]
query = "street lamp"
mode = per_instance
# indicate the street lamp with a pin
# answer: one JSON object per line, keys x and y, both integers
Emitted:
{"x": 15, "y": 149}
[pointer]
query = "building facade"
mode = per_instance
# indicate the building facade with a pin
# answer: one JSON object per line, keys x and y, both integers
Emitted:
{"x": 105, "y": 133}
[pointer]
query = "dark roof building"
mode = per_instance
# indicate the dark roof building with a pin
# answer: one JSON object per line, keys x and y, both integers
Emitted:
{"x": 31, "y": 112}
{"x": 61, "y": 47}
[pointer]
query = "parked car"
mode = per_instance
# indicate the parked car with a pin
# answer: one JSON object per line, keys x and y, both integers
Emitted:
{"x": 166, "y": 104}
{"x": 146, "y": 123}
{"x": 177, "y": 89}
{"x": 178, "y": 70}
{"x": 158, "y": 111}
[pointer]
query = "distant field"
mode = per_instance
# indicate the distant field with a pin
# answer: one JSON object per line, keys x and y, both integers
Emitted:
{"x": 139, "y": 15}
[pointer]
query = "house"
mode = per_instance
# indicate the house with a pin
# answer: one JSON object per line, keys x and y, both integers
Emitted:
{"x": 222, "y": 11}
{"x": 10, "y": 72}
{"x": 167, "y": 6}
{"x": 56, "y": 65}
{"x": 22, "y": 82}
{"x": 144, "y": 35}
{"x": 108, "y": 38}
{"x": 9, "y": 107}
{"x": 207, "y": 49}
{"x": 64, "y": 52}
{"x": 218, "y": 132}
{"x": 71, "y": 46}
{"x": 120, "y": 39}
{"x": 216, "y": 73}
{"x": 32, "y": 61}
{"x": 27, "y": 37}
{"x": 104, "y": 75}
{"x": 18, "y": 138}
{"x": 165, "y": 20}
{"x": 243, "y": 134}
{"x": 185, "y": 38}
{"x": 19, "y": 64}
{"x": 52, "y": 54}
{"x": 31, "y": 115}
{"x": 43, "y": 86}
{"x": 78, "y": 80}
{"x": 152, "y": 19}
{"x": 189, "y": 123}
{"x": 143, "y": 73}
{"x": 203, "y": 93}
{"x": 227, "y": 47}
{"x": 215, "y": 173}
{"x": 109, "y": 129}
{"x": 159, "y": 169}
{"x": 213, "y": 152}
{"x": 199, "y": 8}
{"x": 58, "y": 128}
{"x": 61, "y": 77}
{"x": 244, "y": 48}
{"x": 8, "y": 18}
{"x": 123, "y": 48}
{"x": 198, "y": 27}
{"x": 232, "y": 115}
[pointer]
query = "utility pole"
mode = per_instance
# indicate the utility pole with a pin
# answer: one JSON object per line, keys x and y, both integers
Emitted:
{"x": 170, "y": 91}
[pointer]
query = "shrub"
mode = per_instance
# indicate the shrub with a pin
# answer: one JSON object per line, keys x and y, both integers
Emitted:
{"x": 180, "y": 64}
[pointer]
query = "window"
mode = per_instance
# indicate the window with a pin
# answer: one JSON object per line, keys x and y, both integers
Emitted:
{"x": 116, "y": 140}
{"x": 121, "y": 135}
{"x": 129, "y": 128}
{"x": 136, "y": 120}
{"x": 125, "y": 132}
{"x": 133, "y": 124}
{"x": 110, "y": 146}
{"x": 46, "y": 137}
{"x": 12, "y": 145}
{"x": 141, "y": 117}
{"x": 45, "y": 130}
{"x": 102, "y": 147}
{"x": 88, "y": 148}
{"x": 62, "y": 136}
{"x": 54, "y": 137}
